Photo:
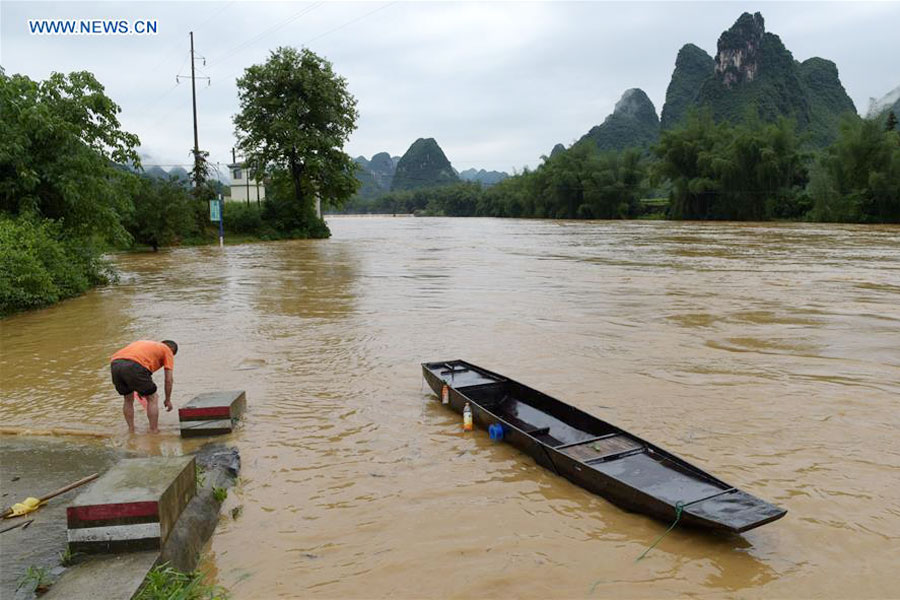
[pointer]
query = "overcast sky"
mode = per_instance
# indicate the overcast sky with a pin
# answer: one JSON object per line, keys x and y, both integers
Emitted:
{"x": 496, "y": 84}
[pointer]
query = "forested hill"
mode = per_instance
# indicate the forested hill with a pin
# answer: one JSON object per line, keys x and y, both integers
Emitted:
{"x": 754, "y": 74}
{"x": 423, "y": 165}
{"x": 633, "y": 123}
{"x": 693, "y": 66}
{"x": 375, "y": 176}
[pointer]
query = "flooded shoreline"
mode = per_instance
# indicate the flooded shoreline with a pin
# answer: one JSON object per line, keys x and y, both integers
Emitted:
{"x": 768, "y": 354}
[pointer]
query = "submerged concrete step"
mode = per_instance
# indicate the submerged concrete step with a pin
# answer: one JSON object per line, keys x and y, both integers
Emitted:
{"x": 218, "y": 410}
{"x": 200, "y": 428}
{"x": 133, "y": 506}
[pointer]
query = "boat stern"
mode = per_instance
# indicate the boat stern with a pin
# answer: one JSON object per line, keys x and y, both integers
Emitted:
{"x": 736, "y": 511}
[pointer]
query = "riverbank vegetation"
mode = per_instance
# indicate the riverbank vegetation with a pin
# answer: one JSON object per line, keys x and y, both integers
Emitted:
{"x": 165, "y": 583}
{"x": 704, "y": 170}
{"x": 72, "y": 187}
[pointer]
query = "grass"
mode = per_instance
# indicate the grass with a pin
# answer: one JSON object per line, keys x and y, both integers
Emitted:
{"x": 67, "y": 557}
{"x": 199, "y": 475}
{"x": 36, "y": 578}
{"x": 220, "y": 494}
{"x": 165, "y": 583}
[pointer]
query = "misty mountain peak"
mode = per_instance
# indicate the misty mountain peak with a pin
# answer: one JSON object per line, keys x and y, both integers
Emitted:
{"x": 632, "y": 124}
{"x": 636, "y": 104}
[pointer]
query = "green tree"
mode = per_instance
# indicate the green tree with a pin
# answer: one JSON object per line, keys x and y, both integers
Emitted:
{"x": 295, "y": 115}
{"x": 61, "y": 154}
{"x": 288, "y": 217}
{"x": 749, "y": 171}
{"x": 858, "y": 177}
{"x": 685, "y": 157}
{"x": 164, "y": 213}
{"x": 613, "y": 185}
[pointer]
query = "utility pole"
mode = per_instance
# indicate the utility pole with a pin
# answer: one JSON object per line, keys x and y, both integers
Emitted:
{"x": 194, "y": 99}
{"x": 198, "y": 174}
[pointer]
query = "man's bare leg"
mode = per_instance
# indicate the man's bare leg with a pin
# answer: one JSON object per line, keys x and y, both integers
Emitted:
{"x": 153, "y": 412}
{"x": 128, "y": 411}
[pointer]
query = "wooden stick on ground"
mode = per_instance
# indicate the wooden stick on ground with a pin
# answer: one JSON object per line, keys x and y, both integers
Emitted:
{"x": 22, "y": 524}
{"x": 61, "y": 490}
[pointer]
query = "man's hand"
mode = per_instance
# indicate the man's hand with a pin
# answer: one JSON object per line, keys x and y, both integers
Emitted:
{"x": 170, "y": 381}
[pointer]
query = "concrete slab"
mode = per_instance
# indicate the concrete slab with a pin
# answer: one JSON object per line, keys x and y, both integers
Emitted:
{"x": 133, "y": 506}
{"x": 33, "y": 466}
{"x": 114, "y": 577}
{"x": 218, "y": 410}
{"x": 214, "y": 405}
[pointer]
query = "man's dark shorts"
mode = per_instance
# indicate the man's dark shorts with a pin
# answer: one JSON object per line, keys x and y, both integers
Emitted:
{"x": 129, "y": 376}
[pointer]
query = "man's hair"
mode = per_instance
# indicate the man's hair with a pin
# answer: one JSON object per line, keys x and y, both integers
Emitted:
{"x": 171, "y": 345}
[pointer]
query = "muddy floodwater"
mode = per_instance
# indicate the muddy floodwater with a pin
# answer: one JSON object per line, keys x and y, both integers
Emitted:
{"x": 768, "y": 354}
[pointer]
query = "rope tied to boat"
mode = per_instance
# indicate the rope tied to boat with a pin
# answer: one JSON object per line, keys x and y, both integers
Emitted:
{"x": 679, "y": 508}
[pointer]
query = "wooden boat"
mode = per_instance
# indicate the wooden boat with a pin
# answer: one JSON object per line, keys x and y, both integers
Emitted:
{"x": 596, "y": 455}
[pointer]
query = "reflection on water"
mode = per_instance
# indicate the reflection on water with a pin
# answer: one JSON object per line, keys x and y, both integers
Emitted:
{"x": 768, "y": 353}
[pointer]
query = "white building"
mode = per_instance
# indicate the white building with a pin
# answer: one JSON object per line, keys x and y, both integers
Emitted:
{"x": 243, "y": 186}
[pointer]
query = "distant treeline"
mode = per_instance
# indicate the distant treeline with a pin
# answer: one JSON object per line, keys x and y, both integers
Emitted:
{"x": 702, "y": 170}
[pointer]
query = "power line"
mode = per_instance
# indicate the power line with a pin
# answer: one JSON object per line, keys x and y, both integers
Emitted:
{"x": 348, "y": 23}
{"x": 155, "y": 101}
{"x": 214, "y": 15}
{"x": 165, "y": 56}
{"x": 319, "y": 36}
{"x": 308, "y": 9}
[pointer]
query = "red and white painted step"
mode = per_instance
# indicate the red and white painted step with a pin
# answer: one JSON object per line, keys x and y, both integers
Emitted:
{"x": 133, "y": 506}
{"x": 212, "y": 413}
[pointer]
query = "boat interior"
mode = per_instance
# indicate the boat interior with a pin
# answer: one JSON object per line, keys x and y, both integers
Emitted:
{"x": 582, "y": 437}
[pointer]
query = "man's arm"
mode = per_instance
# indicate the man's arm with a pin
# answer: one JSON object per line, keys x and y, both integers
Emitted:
{"x": 170, "y": 380}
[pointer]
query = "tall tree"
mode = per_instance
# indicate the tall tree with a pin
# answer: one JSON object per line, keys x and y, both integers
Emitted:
{"x": 295, "y": 115}
{"x": 61, "y": 154}
{"x": 858, "y": 177}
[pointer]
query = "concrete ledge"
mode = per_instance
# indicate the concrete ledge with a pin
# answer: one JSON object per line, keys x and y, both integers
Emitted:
{"x": 133, "y": 506}
{"x": 119, "y": 577}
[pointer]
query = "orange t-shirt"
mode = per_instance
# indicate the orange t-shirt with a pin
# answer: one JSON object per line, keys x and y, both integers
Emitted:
{"x": 152, "y": 355}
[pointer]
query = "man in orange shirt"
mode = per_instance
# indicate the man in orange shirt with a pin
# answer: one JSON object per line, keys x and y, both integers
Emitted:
{"x": 132, "y": 368}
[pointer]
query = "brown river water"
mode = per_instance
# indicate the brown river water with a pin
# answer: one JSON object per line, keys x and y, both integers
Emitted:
{"x": 768, "y": 354}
